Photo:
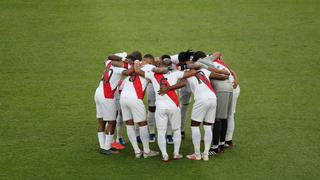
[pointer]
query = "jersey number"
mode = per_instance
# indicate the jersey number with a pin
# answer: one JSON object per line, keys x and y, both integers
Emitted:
{"x": 133, "y": 77}
{"x": 109, "y": 77}
{"x": 200, "y": 76}
{"x": 163, "y": 82}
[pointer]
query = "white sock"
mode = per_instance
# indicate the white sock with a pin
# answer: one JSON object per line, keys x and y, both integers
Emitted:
{"x": 196, "y": 138}
{"x": 176, "y": 141}
{"x": 221, "y": 143}
{"x": 144, "y": 135}
{"x": 162, "y": 142}
{"x": 207, "y": 138}
{"x": 230, "y": 128}
{"x": 101, "y": 139}
{"x": 108, "y": 141}
{"x": 151, "y": 122}
{"x": 184, "y": 109}
{"x": 133, "y": 139}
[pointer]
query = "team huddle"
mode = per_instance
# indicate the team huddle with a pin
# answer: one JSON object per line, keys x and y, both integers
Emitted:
{"x": 169, "y": 82}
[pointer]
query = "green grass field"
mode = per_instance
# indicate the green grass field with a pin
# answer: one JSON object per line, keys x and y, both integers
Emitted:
{"x": 51, "y": 56}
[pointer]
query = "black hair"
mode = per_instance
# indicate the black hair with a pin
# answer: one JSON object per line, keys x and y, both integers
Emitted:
{"x": 198, "y": 55}
{"x": 136, "y": 55}
{"x": 189, "y": 53}
{"x": 148, "y": 56}
{"x": 129, "y": 56}
{"x": 185, "y": 56}
{"x": 165, "y": 56}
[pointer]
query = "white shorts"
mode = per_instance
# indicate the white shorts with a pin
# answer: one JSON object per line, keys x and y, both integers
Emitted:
{"x": 235, "y": 95}
{"x": 204, "y": 110}
{"x": 151, "y": 96}
{"x": 164, "y": 115}
{"x": 185, "y": 94}
{"x": 106, "y": 108}
{"x": 133, "y": 109}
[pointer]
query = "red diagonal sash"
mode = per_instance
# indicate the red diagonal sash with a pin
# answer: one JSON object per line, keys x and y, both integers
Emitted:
{"x": 221, "y": 63}
{"x": 107, "y": 89}
{"x": 163, "y": 82}
{"x": 204, "y": 79}
{"x": 135, "y": 79}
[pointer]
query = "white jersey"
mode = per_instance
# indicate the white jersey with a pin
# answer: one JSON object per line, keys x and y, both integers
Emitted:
{"x": 221, "y": 65}
{"x": 200, "y": 85}
{"x": 171, "y": 99}
{"x": 219, "y": 85}
{"x": 119, "y": 89}
{"x": 135, "y": 85}
{"x": 110, "y": 80}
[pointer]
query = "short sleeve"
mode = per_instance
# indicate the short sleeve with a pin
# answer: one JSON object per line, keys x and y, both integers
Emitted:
{"x": 201, "y": 64}
{"x": 206, "y": 72}
{"x": 148, "y": 74}
{"x": 218, "y": 66}
{"x": 206, "y": 61}
{"x": 178, "y": 74}
{"x": 118, "y": 70}
{"x": 147, "y": 67}
{"x": 106, "y": 63}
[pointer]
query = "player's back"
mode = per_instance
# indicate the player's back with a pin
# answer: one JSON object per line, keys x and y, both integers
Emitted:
{"x": 135, "y": 85}
{"x": 110, "y": 79}
{"x": 169, "y": 100}
{"x": 200, "y": 85}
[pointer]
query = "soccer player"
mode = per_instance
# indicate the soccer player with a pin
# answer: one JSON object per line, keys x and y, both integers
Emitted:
{"x": 185, "y": 92}
{"x": 133, "y": 109}
{"x": 224, "y": 97}
{"x": 178, "y": 60}
{"x": 174, "y": 66}
{"x": 167, "y": 105}
{"x": 204, "y": 110}
{"x": 106, "y": 107}
{"x": 235, "y": 95}
{"x": 127, "y": 62}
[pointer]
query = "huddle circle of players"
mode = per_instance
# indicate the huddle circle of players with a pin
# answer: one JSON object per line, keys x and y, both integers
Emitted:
{"x": 166, "y": 80}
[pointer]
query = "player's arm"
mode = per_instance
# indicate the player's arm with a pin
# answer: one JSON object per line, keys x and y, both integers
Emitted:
{"x": 189, "y": 73}
{"x": 219, "y": 71}
{"x": 209, "y": 65}
{"x": 117, "y": 63}
{"x": 191, "y": 66}
{"x": 216, "y": 55}
{"x": 218, "y": 76}
{"x": 114, "y": 58}
{"x": 137, "y": 69}
{"x": 235, "y": 76}
{"x": 162, "y": 70}
{"x": 181, "y": 83}
{"x": 128, "y": 72}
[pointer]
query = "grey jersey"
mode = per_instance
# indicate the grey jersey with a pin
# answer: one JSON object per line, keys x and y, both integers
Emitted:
{"x": 218, "y": 85}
